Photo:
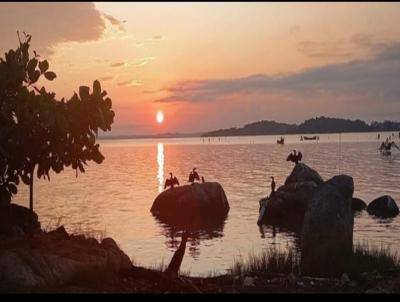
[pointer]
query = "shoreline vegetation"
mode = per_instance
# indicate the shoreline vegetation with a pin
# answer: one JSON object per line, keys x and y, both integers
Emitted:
{"x": 318, "y": 125}
{"x": 367, "y": 270}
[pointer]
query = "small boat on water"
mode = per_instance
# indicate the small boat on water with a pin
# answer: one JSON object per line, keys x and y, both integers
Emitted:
{"x": 386, "y": 152}
{"x": 385, "y": 148}
{"x": 309, "y": 138}
{"x": 281, "y": 141}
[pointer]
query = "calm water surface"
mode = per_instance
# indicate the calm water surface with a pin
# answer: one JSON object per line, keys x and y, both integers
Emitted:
{"x": 115, "y": 197}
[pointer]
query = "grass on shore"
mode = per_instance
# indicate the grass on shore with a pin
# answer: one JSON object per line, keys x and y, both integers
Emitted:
{"x": 368, "y": 259}
{"x": 363, "y": 258}
{"x": 270, "y": 261}
{"x": 78, "y": 229}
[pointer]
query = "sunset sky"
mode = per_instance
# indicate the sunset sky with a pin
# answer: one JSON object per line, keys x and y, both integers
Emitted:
{"x": 218, "y": 65}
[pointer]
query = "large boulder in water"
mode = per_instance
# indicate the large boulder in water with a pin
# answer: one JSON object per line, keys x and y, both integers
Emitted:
{"x": 302, "y": 173}
{"x": 192, "y": 203}
{"x": 328, "y": 222}
{"x": 384, "y": 207}
{"x": 287, "y": 206}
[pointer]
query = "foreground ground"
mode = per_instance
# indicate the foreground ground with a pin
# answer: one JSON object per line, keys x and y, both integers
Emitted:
{"x": 140, "y": 280}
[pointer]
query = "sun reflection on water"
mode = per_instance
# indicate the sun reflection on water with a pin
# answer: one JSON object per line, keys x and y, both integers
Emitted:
{"x": 160, "y": 162}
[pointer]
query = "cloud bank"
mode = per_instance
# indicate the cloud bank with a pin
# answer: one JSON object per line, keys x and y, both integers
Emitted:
{"x": 52, "y": 23}
{"x": 377, "y": 78}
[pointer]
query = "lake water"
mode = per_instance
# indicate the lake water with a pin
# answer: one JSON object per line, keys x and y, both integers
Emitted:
{"x": 115, "y": 197}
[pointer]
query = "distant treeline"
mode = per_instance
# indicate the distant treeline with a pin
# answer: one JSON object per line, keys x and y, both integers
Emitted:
{"x": 314, "y": 125}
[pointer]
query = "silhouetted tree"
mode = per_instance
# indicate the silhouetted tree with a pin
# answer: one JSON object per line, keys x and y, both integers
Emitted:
{"x": 38, "y": 132}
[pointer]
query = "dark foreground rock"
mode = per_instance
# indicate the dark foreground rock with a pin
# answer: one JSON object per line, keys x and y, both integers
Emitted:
{"x": 384, "y": 207}
{"x": 328, "y": 221}
{"x": 358, "y": 204}
{"x": 196, "y": 202}
{"x": 56, "y": 258}
{"x": 302, "y": 173}
{"x": 16, "y": 220}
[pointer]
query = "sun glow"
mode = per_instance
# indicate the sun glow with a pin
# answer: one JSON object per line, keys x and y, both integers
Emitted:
{"x": 160, "y": 117}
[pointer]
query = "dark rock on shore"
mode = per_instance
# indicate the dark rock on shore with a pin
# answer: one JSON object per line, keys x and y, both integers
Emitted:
{"x": 16, "y": 220}
{"x": 192, "y": 203}
{"x": 358, "y": 204}
{"x": 55, "y": 258}
{"x": 384, "y": 207}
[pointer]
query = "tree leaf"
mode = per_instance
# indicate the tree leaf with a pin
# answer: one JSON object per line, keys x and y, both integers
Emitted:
{"x": 84, "y": 92}
{"x": 43, "y": 66}
{"x": 62, "y": 122}
{"x": 96, "y": 88}
{"x": 32, "y": 65}
{"x": 80, "y": 166}
{"x": 25, "y": 179}
{"x": 50, "y": 75}
{"x": 12, "y": 188}
{"x": 34, "y": 77}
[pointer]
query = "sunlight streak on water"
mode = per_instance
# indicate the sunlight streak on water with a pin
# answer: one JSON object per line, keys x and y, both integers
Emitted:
{"x": 160, "y": 162}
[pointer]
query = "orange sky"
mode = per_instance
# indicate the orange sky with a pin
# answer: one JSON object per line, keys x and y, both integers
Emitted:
{"x": 216, "y": 65}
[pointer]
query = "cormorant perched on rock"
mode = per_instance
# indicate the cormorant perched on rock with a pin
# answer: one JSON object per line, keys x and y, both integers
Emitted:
{"x": 295, "y": 157}
{"x": 194, "y": 176}
{"x": 171, "y": 181}
{"x": 272, "y": 185}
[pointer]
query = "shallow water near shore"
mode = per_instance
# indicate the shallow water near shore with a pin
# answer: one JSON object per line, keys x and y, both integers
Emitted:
{"x": 115, "y": 197}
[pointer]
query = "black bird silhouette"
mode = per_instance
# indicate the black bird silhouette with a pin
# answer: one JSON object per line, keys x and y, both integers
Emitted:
{"x": 293, "y": 157}
{"x": 171, "y": 182}
{"x": 193, "y": 176}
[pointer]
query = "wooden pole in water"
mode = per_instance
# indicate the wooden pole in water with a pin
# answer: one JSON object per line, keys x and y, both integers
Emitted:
{"x": 340, "y": 149}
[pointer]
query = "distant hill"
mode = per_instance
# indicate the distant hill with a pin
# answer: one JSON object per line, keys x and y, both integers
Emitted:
{"x": 154, "y": 136}
{"x": 314, "y": 125}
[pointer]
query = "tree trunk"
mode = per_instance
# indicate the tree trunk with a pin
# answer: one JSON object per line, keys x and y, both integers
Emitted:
{"x": 176, "y": 261}
{"x": 31, "y": 191}
{"x": 31, "y": 200}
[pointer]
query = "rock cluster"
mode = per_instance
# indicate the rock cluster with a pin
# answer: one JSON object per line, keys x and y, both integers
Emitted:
{"x": 55, "y": 258}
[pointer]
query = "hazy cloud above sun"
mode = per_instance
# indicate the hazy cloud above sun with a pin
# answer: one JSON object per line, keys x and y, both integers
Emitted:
{"x": 342, "y": 48}
{"x": 52, "y": 23}
{"x": 376, "y": 78}
{"x": 365, "y": 83}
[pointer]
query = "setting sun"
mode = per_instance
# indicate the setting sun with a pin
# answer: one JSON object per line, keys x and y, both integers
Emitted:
{"x": 160, "y": 117}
